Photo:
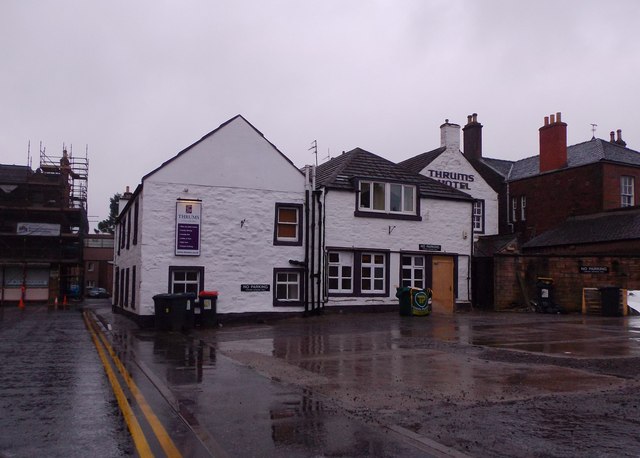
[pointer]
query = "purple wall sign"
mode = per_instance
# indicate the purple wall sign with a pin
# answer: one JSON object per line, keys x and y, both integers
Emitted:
{"x": 188, "y": 218}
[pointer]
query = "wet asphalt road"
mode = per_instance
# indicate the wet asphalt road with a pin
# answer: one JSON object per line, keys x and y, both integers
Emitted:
{"x": 337, "y": 385}
{"x": 54, "y": 397}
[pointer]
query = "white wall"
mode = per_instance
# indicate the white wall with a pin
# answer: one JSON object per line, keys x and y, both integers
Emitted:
{"x": 235, "y": 156}
{"x": 239, "y": 176}
{"x": 230, "y": 254}
{"x": 129, "y": 258}
{"x": 444, "y": 222}
{"x": 453, "y": 161}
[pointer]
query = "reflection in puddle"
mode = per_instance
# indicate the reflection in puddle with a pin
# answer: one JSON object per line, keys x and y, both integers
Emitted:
{"x": 298, "y": 421}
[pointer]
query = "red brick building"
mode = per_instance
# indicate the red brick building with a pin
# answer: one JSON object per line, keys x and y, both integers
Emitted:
{"x": 98, "y": 261}
{"x": 566, "y": 181}
{"x": 571, "y": 218}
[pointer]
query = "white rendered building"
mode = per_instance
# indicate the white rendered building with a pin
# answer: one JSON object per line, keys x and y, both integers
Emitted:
{"x": 387, "y": 227}
{"x": 226, "y": 214}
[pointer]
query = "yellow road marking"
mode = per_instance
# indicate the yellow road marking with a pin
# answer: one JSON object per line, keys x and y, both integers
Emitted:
{"x": 163, "y": 437}
{"x": 132, "y": 423}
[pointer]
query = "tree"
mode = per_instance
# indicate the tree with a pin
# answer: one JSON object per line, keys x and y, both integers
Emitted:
{"x": 108, "y": 225}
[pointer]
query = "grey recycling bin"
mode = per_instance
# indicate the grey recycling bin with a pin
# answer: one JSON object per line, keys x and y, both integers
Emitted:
{"x": 174, "y": 312}
{"x": 610, "y": 297}
{"x": 206, "y": 312}
{"x": 404, "y": 299}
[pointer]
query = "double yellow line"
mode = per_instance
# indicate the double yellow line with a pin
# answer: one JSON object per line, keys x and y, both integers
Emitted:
{"x": 139, "y": 439}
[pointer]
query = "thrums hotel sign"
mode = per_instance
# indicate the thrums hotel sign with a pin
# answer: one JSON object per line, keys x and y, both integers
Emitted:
{"x": 453, "y": 179}
{"x": 188, "y": 219}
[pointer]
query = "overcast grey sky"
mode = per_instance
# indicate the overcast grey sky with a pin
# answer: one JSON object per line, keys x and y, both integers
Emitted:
{"x": 138, "y": 81}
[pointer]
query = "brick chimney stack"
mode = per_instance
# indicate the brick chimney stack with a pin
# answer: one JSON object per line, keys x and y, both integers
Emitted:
{"x": 472, "y": 135}
{"x": 553, "y": 143}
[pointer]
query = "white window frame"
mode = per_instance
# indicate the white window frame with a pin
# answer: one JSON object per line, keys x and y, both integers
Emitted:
{"x": 187, "y": 283}
{"x": 289, "y": 279}
{"x": 342, "y": 263}
{"x": 408, "y": 197}
{"x": 478, "y": 216}
{"x": 295, "y": 224}
{"x": 514, "y": 209}
{"x": 408, "y": 271}
{"x": 523, "y": 208}
{"x": 375, "y": 274}
{"x": 627, "y": 191}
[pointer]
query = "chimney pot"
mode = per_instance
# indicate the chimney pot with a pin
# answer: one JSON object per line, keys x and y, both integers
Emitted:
{"x": 613, "y": 136}
{"x": 469, "y": 119}
{"x": 475, "y": 117}
{"x": 546, "y": 120}
{"x": 552, "y": 119}
{"x": 558, "y": 117}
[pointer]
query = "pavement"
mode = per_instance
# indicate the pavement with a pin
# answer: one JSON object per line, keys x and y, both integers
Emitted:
{"x": 471, "y": 383}
{"x": 379, "y": 384}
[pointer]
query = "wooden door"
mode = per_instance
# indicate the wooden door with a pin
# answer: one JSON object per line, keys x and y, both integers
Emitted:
{"x": 442, "y": 284}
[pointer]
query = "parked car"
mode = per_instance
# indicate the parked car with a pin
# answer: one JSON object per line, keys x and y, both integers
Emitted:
{"x": 98, "y": 292}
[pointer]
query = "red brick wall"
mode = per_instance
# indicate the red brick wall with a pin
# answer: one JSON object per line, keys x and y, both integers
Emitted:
{"x": 611, "y": 184}
{"x": 624, "y": 272}
{"x": 554, "y": 196}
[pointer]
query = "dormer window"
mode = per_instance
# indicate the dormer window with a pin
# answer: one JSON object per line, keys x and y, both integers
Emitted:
{"x": 388, "y": 198}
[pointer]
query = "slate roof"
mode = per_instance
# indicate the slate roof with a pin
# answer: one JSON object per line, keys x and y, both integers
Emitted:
{"x": 339, "y": 173}
{"x": 611, "y": 226}
{"x": 490, "y": 174}
{"x": 489, "y": 245}
{"x": 417, "y": 163}
{"x": 501, "y": 166}
{"x": 588, "y": 152}
{"x": 491, "y": 169}
{"x": 14, "y": 173}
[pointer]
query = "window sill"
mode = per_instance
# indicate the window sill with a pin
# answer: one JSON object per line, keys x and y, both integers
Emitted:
{"x": 288, "y": 242}
{"x": 358, "y": 294}
{"x": 401, "y": 216}
{"x": 288, "y": 304}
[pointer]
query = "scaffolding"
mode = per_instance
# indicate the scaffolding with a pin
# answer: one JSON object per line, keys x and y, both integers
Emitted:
{"x": 73, "y": 169}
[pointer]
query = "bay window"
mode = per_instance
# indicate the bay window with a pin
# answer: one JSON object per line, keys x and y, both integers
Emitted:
{"x": 354, "y": 272}
{"x": 387, "y": 198}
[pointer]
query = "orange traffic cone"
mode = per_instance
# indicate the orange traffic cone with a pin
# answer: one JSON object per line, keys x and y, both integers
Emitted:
{"x": 64, "y": 300}
{"x": 21, "y": 304}
{"x": 55, "y": 302}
